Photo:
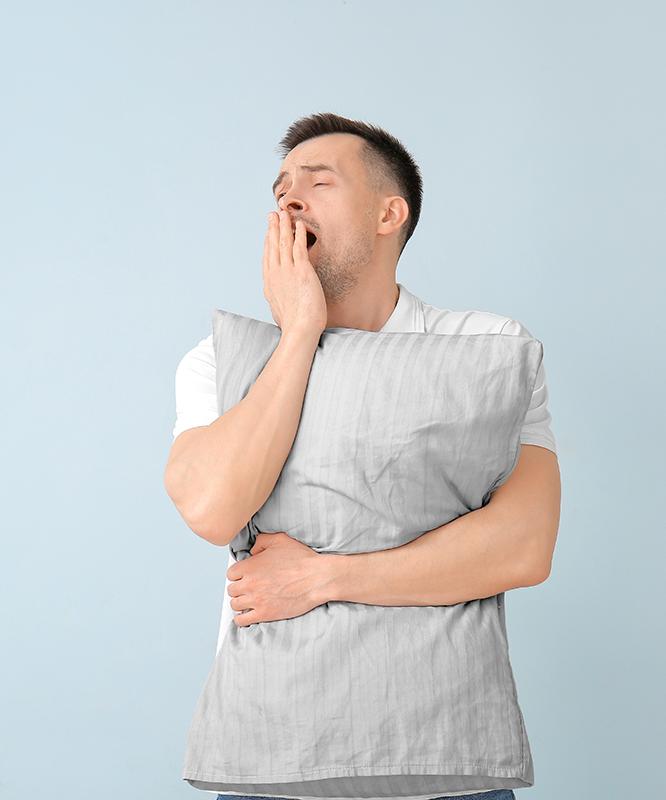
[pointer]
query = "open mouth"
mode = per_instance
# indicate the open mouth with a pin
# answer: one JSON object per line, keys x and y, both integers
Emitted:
{"x": 310, "y": 237}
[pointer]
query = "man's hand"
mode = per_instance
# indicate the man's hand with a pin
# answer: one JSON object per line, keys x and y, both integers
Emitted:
{"x": 283, "y": 578}
{"x": 291, "y": 284}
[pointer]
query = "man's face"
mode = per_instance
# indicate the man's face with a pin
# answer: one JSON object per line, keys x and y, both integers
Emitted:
{"x": 337, "y": 205}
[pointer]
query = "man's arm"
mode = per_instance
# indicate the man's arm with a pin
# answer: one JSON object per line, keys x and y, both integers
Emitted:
{"x": 218, "y": 475}
{"x": 507, "y": 544}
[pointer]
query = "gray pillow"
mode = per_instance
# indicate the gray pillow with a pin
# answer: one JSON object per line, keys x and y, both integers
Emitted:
{"x": 399, "y": 433}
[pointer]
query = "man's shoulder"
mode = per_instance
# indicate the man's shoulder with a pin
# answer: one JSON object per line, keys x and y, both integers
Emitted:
{"x": 200, "y": 358}
{"x": 469, "y": 321}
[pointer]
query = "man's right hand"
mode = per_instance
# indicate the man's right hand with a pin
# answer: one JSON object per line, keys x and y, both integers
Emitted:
{"x": 291, "y": 285}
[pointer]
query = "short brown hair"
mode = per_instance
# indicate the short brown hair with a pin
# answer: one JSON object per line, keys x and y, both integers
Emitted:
{"x": 386, "y": 159}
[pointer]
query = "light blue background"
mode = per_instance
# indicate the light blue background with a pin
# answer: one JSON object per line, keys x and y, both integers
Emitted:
{"x": 138, "y": 146}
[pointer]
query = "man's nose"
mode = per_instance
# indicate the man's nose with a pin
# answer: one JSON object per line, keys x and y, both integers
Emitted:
{"x": 286, "y": 205}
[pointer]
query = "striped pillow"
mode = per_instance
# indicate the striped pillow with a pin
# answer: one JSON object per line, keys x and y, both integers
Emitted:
{"x": 400, "y": 432}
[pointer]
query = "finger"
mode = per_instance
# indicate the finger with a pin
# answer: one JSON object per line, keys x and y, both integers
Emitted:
{"x": 245, "y": 618}
{"x": 286, "y": 240}
{"x": 273, "y": 242}
{"x": 240, "y": 602}
{"x": 300, "y": 241}
{"x": 267, "y": 247}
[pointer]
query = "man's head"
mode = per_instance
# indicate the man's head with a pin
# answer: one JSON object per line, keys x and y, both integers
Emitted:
{"x": 363, "y": 210}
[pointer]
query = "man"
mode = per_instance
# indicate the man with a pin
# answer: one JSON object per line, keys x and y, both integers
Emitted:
{"x": 349, "y": 199}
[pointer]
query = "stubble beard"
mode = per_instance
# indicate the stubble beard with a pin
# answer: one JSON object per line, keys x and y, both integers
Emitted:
{"x": 339, "y": 272}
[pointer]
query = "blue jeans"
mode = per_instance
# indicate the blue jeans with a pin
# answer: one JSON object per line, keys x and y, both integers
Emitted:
{"x": 493, "y": 794}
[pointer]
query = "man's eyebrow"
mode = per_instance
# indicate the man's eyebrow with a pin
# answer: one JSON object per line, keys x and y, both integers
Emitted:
{"x": 307, "y": 168}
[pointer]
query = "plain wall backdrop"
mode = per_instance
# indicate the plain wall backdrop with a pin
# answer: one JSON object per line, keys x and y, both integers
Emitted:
{"x": 137, "y": 149}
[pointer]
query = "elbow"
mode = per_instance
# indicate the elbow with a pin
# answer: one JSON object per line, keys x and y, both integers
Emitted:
{"x": 537, "y": 569}
{"x": 217, "y": 520}
{"x": 197, "y": 513}
{"x": 536, "y": 574}
{"x": 214, "y": 534}
{"x": 208, "y": 525}
{"x": 537, "y": 546}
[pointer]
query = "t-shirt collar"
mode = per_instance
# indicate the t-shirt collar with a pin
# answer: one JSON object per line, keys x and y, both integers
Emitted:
{"x": 407, "y": 316}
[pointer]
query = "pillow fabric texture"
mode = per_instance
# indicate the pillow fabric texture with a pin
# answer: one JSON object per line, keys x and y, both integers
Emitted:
{"x": 400, "y": 432}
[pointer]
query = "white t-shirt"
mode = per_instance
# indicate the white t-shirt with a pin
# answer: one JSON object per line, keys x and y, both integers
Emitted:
{"x": 196, "y": 395}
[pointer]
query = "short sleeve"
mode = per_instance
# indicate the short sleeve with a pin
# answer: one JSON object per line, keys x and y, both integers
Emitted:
{"x": 196, "y": 394}
{"x": 537, "y": 425}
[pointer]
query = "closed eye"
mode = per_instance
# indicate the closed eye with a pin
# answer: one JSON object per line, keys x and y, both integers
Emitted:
{"x": 316, "y": 184}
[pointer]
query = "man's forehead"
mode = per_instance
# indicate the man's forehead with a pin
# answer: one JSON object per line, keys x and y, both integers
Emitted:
{"x": 337, "y": 151}
{"x": 309, "y": 162}
{"x": 333, "y": 148}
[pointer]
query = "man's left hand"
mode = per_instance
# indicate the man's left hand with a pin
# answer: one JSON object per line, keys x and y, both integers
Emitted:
{"x": 283, "y": 578}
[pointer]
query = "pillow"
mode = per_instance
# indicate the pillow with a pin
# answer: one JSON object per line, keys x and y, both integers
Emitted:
{"x": 400, "y": 432}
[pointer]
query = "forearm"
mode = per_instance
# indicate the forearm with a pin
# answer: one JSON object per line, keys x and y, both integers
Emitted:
{"x": 477, "y": 555}
{"x": 224, "y": 472}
